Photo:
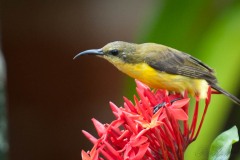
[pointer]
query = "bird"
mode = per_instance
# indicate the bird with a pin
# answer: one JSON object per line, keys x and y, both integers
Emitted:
{"x": 161, "y": 67}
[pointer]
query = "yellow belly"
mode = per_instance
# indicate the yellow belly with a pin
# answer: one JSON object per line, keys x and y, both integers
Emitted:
{"x": 162, "y": 80}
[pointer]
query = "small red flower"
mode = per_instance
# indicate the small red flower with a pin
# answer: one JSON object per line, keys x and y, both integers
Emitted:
{"x": 155, "y": 126}
{"x": 92, "y": 155}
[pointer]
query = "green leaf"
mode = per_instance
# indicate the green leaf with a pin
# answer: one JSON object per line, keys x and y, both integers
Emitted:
{"x": 222, "y": 145}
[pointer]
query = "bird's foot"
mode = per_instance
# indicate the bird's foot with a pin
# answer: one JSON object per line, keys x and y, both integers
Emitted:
{"x": 158, "y": 106}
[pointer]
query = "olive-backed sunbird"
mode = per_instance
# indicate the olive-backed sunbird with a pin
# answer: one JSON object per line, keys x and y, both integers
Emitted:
{"x": 161, "y": 67}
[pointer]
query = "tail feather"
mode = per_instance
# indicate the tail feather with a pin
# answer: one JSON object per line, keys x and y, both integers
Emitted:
{"x": 232, "y": 97}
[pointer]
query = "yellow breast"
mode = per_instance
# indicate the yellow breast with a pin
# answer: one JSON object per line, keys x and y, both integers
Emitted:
{"x": 162, "y": 80}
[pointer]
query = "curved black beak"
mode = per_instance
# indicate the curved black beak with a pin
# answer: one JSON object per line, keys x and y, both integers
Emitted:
{"x": 91, "y": 52}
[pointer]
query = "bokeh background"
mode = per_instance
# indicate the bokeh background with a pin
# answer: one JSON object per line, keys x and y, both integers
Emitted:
{"x": 50, "y": 98}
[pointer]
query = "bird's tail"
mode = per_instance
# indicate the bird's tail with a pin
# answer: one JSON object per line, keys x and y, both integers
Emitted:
{"x": 232, "y": 97}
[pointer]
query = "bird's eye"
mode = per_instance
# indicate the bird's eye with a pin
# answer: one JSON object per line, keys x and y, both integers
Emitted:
{"x": 114, "y": 52}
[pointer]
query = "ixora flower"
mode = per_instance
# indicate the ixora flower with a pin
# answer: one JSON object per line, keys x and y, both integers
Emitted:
{"x": 156, "y": 126}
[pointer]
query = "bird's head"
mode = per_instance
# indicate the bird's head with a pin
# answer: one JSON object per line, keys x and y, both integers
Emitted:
{"x": 115, "y": 52}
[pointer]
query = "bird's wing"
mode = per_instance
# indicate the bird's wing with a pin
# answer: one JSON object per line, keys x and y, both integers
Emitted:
{"x": 176, "y": 62}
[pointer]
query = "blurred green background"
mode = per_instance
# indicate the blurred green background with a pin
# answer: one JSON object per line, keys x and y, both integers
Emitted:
{"x": 210, "y": 31}
{"x": 51, "y": 98}
{"x": 3, "y": 114}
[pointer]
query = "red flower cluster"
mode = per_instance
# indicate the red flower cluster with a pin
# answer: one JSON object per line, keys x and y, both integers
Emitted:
{"x": 155, "y": 127}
